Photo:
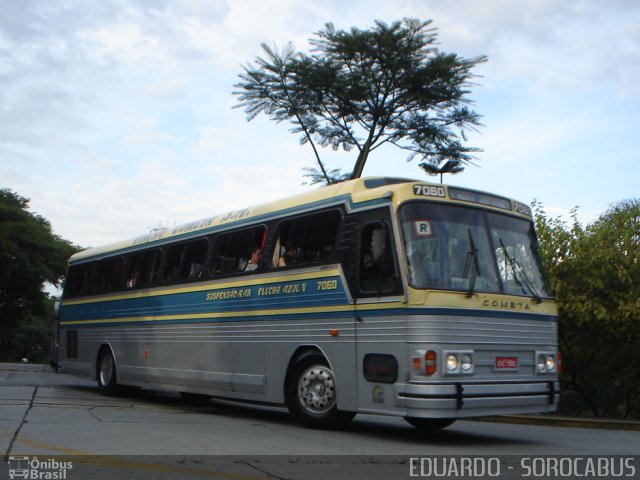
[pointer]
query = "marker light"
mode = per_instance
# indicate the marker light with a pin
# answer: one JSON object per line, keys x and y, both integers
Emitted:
{"x": 430, "y": 363}
{"x": 417, "y": 362}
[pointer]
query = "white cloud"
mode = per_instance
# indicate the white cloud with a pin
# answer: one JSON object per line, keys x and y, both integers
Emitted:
{"x": 149, "y": 139}
{"x": 240, "y": 186}
{"x": 167, "y": 89}
{"x": 211, "y": 139}
{"x": 528, "y": 135}
{"x": 119, "y": 42}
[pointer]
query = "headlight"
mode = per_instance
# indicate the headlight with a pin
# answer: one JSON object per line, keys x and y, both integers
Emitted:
{"x": 551, "y": 363}
{"x": 466, "y": 362}
{"x": 458, "y": 362}
{"x": 546, "y": 362}
{"x": 452, "y": 363}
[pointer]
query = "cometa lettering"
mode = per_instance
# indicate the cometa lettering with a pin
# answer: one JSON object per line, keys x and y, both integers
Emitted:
{"x": 506, "y": 304}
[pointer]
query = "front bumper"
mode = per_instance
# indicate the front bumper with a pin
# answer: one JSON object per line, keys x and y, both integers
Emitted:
{"x": 460, "y": 399}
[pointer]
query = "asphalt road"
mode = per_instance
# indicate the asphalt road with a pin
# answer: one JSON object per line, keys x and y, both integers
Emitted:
{"x": 161, "y": 435}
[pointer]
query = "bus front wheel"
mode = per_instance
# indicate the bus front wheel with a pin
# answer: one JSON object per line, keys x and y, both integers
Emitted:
{"x": 430, "y": 423}
{"x": 107, "y": 376}
{"x": 311, "y": 394}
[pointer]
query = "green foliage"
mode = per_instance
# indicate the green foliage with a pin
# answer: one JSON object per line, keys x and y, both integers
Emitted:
{"x": 30, "y": 256}
{"x": 325, "y": 177}
{"x": 594, "y": 272}
{"x": 365, "y": 88}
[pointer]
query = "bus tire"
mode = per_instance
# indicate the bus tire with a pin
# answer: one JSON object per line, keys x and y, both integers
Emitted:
{"x": 311, "y": 394}
{"x": 107, "y": 375}
{"x": 430, "y": 423}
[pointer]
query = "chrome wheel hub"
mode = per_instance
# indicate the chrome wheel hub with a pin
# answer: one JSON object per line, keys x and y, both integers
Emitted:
{"x": 106, "y": 370}
{"x": 316, "y": 389}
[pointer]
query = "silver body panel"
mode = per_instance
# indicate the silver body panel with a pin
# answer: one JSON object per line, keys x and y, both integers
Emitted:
{"x": 247, "y": 360}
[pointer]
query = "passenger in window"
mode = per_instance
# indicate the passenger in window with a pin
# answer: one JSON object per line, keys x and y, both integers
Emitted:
{"x": 375, "y": 254}
{"x": 194, "y": 270}
{"x": 290, "y": 256}
{"x": 255, "y": 255}
{"x": 134, "y": 279}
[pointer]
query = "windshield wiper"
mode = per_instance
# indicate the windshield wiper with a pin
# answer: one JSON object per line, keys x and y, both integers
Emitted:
{"x": 471, "y": 264}
{"x": 515, "y": 268}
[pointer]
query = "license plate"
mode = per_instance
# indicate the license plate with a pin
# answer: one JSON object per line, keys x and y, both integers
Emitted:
{"x": 506, "y": 363}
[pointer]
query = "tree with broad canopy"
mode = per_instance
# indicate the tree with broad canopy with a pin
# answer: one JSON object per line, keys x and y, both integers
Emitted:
{"x": 30, "y": 256}
{"x": 365, "y": 88}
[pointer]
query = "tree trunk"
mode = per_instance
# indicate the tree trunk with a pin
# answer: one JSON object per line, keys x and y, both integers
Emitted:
{"x": 362, "y": 159}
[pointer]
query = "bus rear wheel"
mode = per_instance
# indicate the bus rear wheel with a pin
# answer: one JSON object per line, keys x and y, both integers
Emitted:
{"x": 311, "y": 394}
{"x": 430, "y": 423}
{"x": 107, "y": 375}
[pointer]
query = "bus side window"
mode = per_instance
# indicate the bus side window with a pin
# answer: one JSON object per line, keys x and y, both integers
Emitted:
{"x": 142, "y": 268}
{"x": 306, "y": 239}
{"x": 107, "y": 275}
{"x": 185, "y": 261}
{"x": 377, "y": 269}
{"x": 77, "y": 281}
{"x": 232, "y": 250}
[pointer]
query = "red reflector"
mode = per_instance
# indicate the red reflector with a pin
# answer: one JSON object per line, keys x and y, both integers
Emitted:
{"x": 559, "y": 363}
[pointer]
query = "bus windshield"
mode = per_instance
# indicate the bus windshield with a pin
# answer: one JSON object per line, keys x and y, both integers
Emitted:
{"x": 460, "y": 248}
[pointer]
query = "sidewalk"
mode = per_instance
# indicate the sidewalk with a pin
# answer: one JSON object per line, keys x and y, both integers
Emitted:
{"x": 25, "y": 367}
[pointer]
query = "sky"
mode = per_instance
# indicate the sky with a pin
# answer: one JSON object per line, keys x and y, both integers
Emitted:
{"x": 116, "y": 117}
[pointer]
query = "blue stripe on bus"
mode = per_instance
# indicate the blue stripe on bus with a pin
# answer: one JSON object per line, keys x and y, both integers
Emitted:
{"x": 273, "y": 296}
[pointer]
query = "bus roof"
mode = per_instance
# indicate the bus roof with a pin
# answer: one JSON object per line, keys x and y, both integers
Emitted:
{"x": 358, "y": 193}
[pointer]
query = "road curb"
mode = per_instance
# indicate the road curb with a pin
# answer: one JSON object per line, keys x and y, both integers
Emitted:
{"x": 25, "y": 367}
{"x": 571, "y": 422}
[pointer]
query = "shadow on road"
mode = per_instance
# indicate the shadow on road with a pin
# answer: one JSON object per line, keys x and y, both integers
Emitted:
{"x": 384, "y": 428}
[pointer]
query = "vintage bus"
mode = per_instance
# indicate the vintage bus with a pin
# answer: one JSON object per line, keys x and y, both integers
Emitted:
{"x": 377, "y": 295}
